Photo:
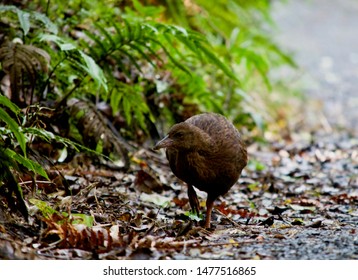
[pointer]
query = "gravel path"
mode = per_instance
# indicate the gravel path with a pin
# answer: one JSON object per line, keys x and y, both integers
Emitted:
{"x": 323, "y": 35}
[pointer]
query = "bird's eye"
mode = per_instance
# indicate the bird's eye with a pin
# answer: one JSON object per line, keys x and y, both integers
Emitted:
{"x": 178, "y": 134}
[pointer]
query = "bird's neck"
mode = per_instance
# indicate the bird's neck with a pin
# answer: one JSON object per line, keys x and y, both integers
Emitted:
{"x": 203, "y": 142}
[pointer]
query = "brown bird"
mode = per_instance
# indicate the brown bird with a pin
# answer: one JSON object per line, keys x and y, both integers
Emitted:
{"x": 205, "y": 151}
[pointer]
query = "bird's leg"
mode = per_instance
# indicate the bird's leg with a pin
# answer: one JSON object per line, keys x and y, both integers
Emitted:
{"x": 193, "y": 200}
{"x": 209, "y": 208}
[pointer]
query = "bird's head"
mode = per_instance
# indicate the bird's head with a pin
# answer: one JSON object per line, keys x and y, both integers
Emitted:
{"x": 184, "y": 136}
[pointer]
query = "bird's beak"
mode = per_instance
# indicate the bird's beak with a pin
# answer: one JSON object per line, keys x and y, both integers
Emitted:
{"x": 164, "y": 143}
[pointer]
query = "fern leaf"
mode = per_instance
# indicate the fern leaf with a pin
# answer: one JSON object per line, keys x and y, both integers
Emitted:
{"x": 24, "y": 19}
{"x": 171, "y": 44}
{"x": 49, "y": 25}
{"x": 127, "y": 109}
{"x": 20, "y": 61}
{"x": 128, "y": 30}
{"x": 14, "y": 129}
{"x": 106, "y": 34}
{"x": 44, "y": 207}
{"x": 7, "y": 103}
{"x": 92, "y": 68}
{"x": 131, "y": 58}
{"x": 100, "y": 42}
{"x": 116, "y": 96}
{"x": 6, "y": 8}
{"x": 172, "y": 59}
{"x": 26, "y": 162}
{"x": 89, "y": 65}
{"x": 259, "y": 63}
{"x": 190, "y": 44}
{"x": 49, "y": 136}
{"x": 118, "y": 31}
{"x": 216, "y": 61}
{"x": 61, "y": 43}
{"x": 150, "y": 49}
{"x": 143, "y": 54}
{"x": 11, "y": 189}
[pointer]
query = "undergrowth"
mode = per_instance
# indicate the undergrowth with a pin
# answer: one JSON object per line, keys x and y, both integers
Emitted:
{"x": 142, "y": 66}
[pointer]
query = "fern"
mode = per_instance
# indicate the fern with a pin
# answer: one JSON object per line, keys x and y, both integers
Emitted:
{"x": 29, "y": 164}
{"x": 95, "y": 132}
{"x": 22, "y": 62}
{"x": 116, "y": 53}
{"x": 20, "y": 134}
{"x": 7, "y": 103}
{"x": 149, "y": 40}
{"x": 235, "y": 29}
{"x": 29, "y": 19}
{"x": 9, "y": 188}
{"x": 78, "y": 58}
{"x": 11, "y": 123}
{"x": 4, "y": 116}
{"x": 124, "y": 97}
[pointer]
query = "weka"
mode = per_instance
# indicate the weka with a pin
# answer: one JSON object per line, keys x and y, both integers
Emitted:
{"x": 205, "y": 151}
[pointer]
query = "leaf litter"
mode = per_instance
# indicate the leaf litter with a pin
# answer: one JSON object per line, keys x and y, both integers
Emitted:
{"x": 293, "y": 201}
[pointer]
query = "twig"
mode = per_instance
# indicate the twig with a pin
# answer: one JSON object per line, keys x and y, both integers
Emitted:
{"x": 229, "y": 219}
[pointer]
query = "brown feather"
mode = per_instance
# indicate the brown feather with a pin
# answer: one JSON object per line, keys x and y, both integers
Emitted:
{"x": 205, "y": 151}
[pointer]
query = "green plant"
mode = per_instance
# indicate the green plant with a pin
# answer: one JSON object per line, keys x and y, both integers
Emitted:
{"x": 11, "y": 161}
{"x": 128, "y": 45}
{"x": 152, "y": 64}
{"x": 239, "y": 32}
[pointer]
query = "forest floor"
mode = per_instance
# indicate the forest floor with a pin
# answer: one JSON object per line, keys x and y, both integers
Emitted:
{"x": 296, "y": 199}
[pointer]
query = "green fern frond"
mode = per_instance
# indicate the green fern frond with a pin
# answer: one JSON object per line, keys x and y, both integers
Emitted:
{"x": 129, "y": 100}
{"x": 9, "y": 186}
{"x": 26, "y": 162}
{"x": 14, "y": 128}
{"x": 100, "y": 42}
{"x": 25, "y": 19}
{"x": 79, "y": 59}
{"x": 7, "y": 103}
{"x": 147, "y": 40}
